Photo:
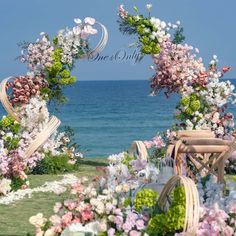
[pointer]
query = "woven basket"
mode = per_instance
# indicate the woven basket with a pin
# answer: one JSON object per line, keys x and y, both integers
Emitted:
{"x": 138, "y": 148}
{"x": 192, "y": 212}
{"x": 41, "y": 137}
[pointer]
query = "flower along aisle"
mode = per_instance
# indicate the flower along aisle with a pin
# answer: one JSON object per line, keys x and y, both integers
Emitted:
{"x": 28, "y": 141}
{"x": 132, "y": 196}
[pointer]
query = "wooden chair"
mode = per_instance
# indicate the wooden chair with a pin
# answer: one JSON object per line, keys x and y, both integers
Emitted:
{"x": 203, "y": 151}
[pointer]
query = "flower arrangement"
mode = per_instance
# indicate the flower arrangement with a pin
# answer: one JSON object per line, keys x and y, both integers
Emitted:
{"x": 113, "y": 205}
{"x": 204, "y": 97}
{"x": 50, "y": 64}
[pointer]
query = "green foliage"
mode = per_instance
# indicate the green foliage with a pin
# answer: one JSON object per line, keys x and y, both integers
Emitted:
{"x": 58, "y": 76}
{"x": 171, "y": 221}
{"x": 144, "y": 199}
{"x": 178, "y": 36}
{"x": 54, "y": 165}
{"x": 11, "y": 143}
{"x": 16, "y": 183}
{"x": 9, "y": 124}
{"x": 127, "y": 159}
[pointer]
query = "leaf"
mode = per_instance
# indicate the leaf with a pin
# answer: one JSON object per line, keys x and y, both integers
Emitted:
{"x": 136, "y": 9}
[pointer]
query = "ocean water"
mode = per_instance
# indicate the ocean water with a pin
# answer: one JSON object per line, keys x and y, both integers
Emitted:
{"x": 108, "y": 115}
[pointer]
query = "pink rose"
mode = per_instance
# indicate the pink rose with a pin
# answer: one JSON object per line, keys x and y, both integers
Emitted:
{"x": 86, "y": 215}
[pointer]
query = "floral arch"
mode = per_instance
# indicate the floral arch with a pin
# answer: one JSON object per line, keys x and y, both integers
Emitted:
{"x": 125, "y": 198}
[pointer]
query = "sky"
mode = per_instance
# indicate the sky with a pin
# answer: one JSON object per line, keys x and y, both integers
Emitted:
{"x": 208, "y": 25}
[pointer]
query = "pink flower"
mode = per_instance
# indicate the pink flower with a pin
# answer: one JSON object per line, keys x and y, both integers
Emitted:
{"x": 122, "y": 12}
{"x": 118, "y": 221}
{"x": 127, "y": 227}
{"x": 140, "y": 224}
{"x": 66, "y": 219}
{"x": 232, "y": 208}
{"x": 76, "y": 220}
{"x": 134, "y": 233}
{"x": 228, "y": 231}
{"x": 111, "y": 232}
{"x": 55, "y": 219}
{"x": 148, "y": 144}
{"x": 89, "y": 20}
{"x": 70, "y": 204}
{"x": 87, "y": 30}
{"x": 86, "y": 214}
{"x": 77, "y": 188}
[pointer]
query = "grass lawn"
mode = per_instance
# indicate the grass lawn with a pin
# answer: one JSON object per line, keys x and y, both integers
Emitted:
{"x": 14, "y": 218}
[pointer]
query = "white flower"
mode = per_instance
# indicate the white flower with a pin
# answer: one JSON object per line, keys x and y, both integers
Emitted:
{"x": 77, "y": 21}
{"x": 50, "y": 232}
{"x": 76, "y": 30}
{"x": 5, "y": 186}
{"x": 163, "y": 24}
{"x": 178, "y": 22}
{"x": 149, "y": 7}
{"x": 38, "y": 220}
{"x": 155, "y": 21}
{"x": 214, "y": 57}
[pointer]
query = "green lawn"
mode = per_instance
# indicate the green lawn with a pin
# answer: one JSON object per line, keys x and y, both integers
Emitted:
{"x": 14, "y": 218}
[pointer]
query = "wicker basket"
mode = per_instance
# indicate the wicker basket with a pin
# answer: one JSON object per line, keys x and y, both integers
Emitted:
{"x": 192, "y": 212}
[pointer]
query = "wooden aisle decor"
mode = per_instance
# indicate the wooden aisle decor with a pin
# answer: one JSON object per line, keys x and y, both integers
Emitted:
{"x": 192, "y": 210}
{"x": 203, "y": 152}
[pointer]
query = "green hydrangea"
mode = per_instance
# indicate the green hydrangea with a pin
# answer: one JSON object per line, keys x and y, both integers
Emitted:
{"x": 195, "y": 105}
{"x": 72, "y": 80}
{"x": 65, "y": 73}
{"x": 185, "y": 101}
{"x": 171, "y": 221}
{"x": 189, "y": 111}
{"x": 193, "y": 97}
{"x": 9, "y": 124}
{"x": 146, "y": 198}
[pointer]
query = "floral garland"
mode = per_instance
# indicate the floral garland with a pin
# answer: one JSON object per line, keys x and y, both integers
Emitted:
{"x": 124, "y": 201}
{"x": 50, "y": 64}
{"x": 203, "y": 97}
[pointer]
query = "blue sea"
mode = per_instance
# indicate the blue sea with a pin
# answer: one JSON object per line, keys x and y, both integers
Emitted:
{"x": 108, "y": 115}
